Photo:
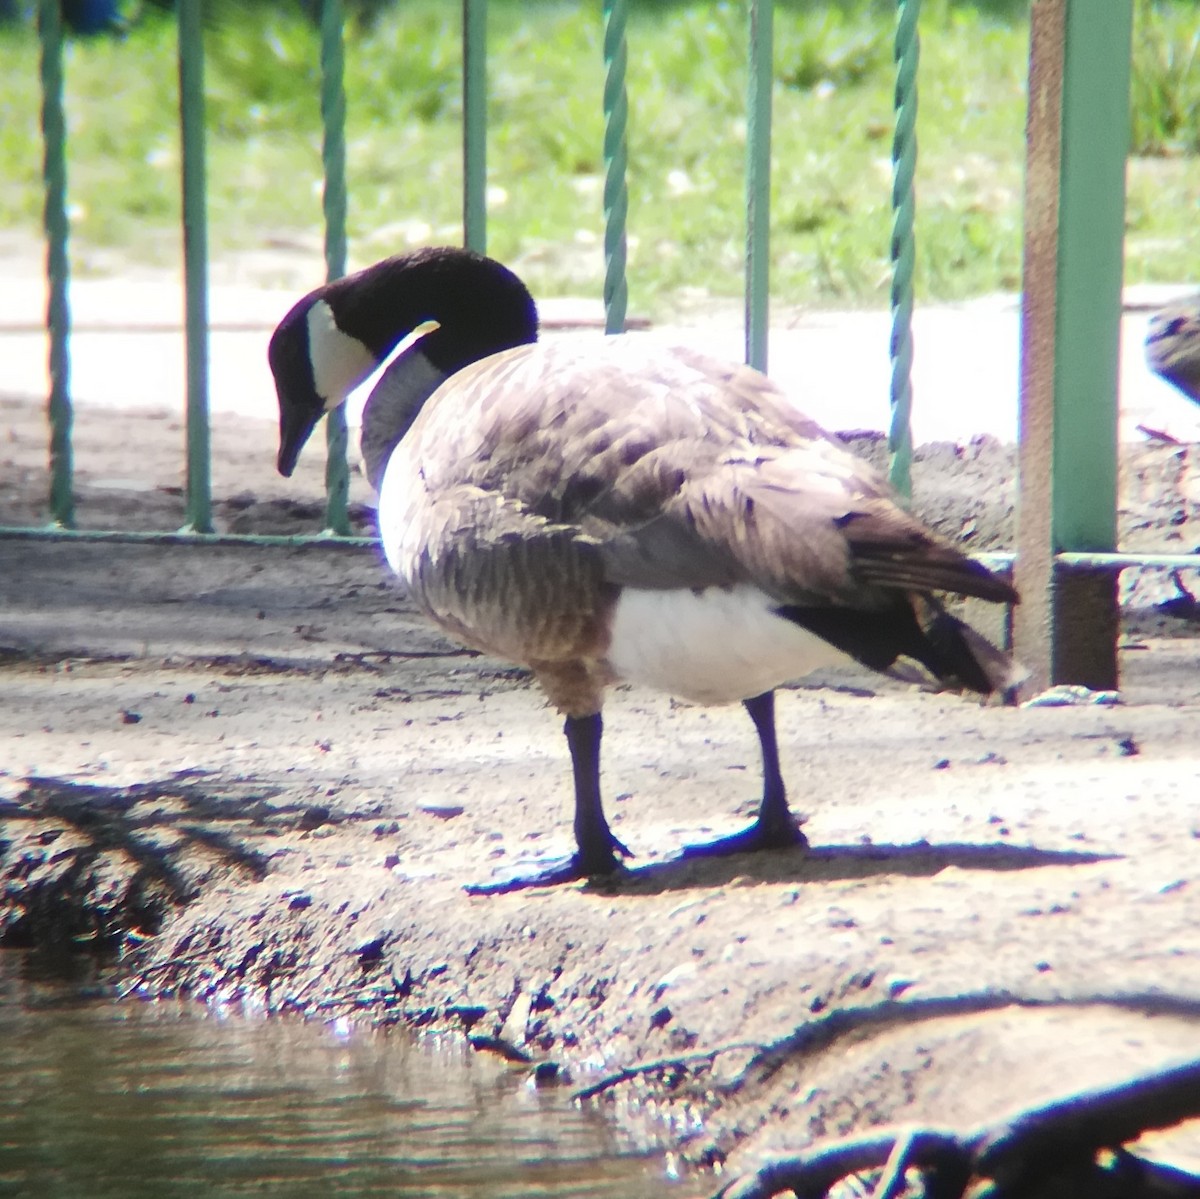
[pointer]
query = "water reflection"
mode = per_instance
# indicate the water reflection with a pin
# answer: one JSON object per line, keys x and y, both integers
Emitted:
{"x": 100, "y": 1099}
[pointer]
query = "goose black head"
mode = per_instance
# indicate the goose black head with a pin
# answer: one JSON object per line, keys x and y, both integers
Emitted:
{"x": 334, "y": 337}
{"x": 315, "y": 367}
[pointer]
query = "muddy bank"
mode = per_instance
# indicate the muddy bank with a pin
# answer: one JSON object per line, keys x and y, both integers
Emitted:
{"x": 255, "y": 776}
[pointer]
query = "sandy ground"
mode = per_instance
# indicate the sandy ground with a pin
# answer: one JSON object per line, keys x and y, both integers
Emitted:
{"x": 259, "y": 777}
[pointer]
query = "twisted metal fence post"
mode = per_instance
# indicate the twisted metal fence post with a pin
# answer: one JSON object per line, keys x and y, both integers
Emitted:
{"x": 616, "y": 196}
{"x": 333, "y": 161}
{"x": 904, "y": 164}
{"x": 195, "y": 264}
{"x": 474, "y": 23}
{"x": 758, "y": 182}
{"x": 58, "y": 312}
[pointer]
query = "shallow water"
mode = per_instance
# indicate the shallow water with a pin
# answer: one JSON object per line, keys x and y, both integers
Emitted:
{"x": 130, "y": 1099}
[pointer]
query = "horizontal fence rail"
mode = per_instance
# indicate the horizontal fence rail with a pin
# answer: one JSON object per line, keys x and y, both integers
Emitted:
{"x": 186, "y": 536}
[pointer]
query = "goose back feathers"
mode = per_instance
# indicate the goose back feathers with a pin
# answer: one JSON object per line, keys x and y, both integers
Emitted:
{"x": 618, "y": 509}
{"x": 562, "y": 479}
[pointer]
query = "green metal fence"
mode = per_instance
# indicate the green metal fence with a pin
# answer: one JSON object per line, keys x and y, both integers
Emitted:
{"x": 198, "y": 522}
{"x": 1078, "y": 116}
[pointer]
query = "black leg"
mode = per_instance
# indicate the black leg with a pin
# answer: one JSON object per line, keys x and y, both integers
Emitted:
{"x": 592, "y": 835}
{"x": 776, "y": 827}
{"x": 597, "y": 847}
{"x": 775, "y": 821}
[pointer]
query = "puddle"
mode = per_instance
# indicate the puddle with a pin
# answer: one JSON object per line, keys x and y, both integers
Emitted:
{"x": 129, "y": 1099}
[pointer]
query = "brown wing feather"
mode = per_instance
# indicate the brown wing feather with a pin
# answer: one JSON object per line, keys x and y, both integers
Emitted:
{"x": 677, "y": 471}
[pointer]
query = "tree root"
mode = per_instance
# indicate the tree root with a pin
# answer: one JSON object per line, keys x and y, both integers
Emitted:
{"x": 1071, "y": 1147}
{"x": 678, "y": 1061}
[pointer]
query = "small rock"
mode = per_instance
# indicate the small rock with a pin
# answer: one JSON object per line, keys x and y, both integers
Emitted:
{"x": 543, "y": 1001}
{"x": 442, "y": 811}
{"x": 545, "y": 1073}
{"x": 498, "y": 1045}
{"x": 371, "y": 951}
{"x": 314, "y": 817}
{"x": 1070, "y": 696}
{"x": 469, "y": 1013}
{"x": 516, "y": 1023}
{"x": 128, "y": 717}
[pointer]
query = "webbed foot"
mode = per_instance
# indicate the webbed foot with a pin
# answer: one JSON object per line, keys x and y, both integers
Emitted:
{"x": 776, "y": 827}
{"x": 784, "y": 835}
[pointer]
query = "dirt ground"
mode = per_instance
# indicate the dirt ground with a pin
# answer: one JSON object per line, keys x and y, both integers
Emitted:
{"x": 261, "y": 779}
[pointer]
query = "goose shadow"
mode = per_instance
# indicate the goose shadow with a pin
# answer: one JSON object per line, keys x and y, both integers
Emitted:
{"x": 840, "y": 863}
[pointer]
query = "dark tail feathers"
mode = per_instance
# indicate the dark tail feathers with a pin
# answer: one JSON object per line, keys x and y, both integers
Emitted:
{"x": 914, "y": 632}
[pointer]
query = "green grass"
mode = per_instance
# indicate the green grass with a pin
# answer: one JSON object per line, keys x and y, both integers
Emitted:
{"x": 831, "y": 214}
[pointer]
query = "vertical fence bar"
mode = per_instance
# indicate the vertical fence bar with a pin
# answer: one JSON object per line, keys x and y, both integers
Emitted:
{"x": 616, "y": 196}
{"x": 904, "y": 166}
{"x": 758, "y": 181}
{"x": 195, "y": 264}
{"x": 1033, "y": 635}
{"x": 1099, "y": 48}
{"x": 58, "y": 312}
{"x": 475, "y": 125}
{"x": 333, "y": 161}
{"x": 1081, "y": 60}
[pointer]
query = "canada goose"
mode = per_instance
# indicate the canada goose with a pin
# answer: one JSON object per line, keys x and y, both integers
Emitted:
{"x": 614, "y": 510}
{"x": 1173, "y": 345}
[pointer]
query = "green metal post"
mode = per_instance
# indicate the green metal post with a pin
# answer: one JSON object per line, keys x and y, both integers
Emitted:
{"x": 904, "y": 166}
{"x": 195, "y": 264}
{"x": 616, "y": 196}
{"x": 1078, "y": 128}
{"x": 333, "y": 159}
{"x": 475, "y": 125}
{"x": 758, "y": 181}
{"x": 1090, "y": 260}
{"x": 58, "y": 312}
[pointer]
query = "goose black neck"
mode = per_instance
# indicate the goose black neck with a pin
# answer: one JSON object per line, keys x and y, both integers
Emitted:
{"x": 480, "y": 306}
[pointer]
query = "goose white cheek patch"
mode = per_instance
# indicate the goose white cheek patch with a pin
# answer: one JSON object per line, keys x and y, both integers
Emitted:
{"x": 339, "y": 362}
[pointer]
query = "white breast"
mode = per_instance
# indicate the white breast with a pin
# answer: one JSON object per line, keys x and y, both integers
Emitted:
{"x": 401, "y": 496}
{"x": 712, "y": 646}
